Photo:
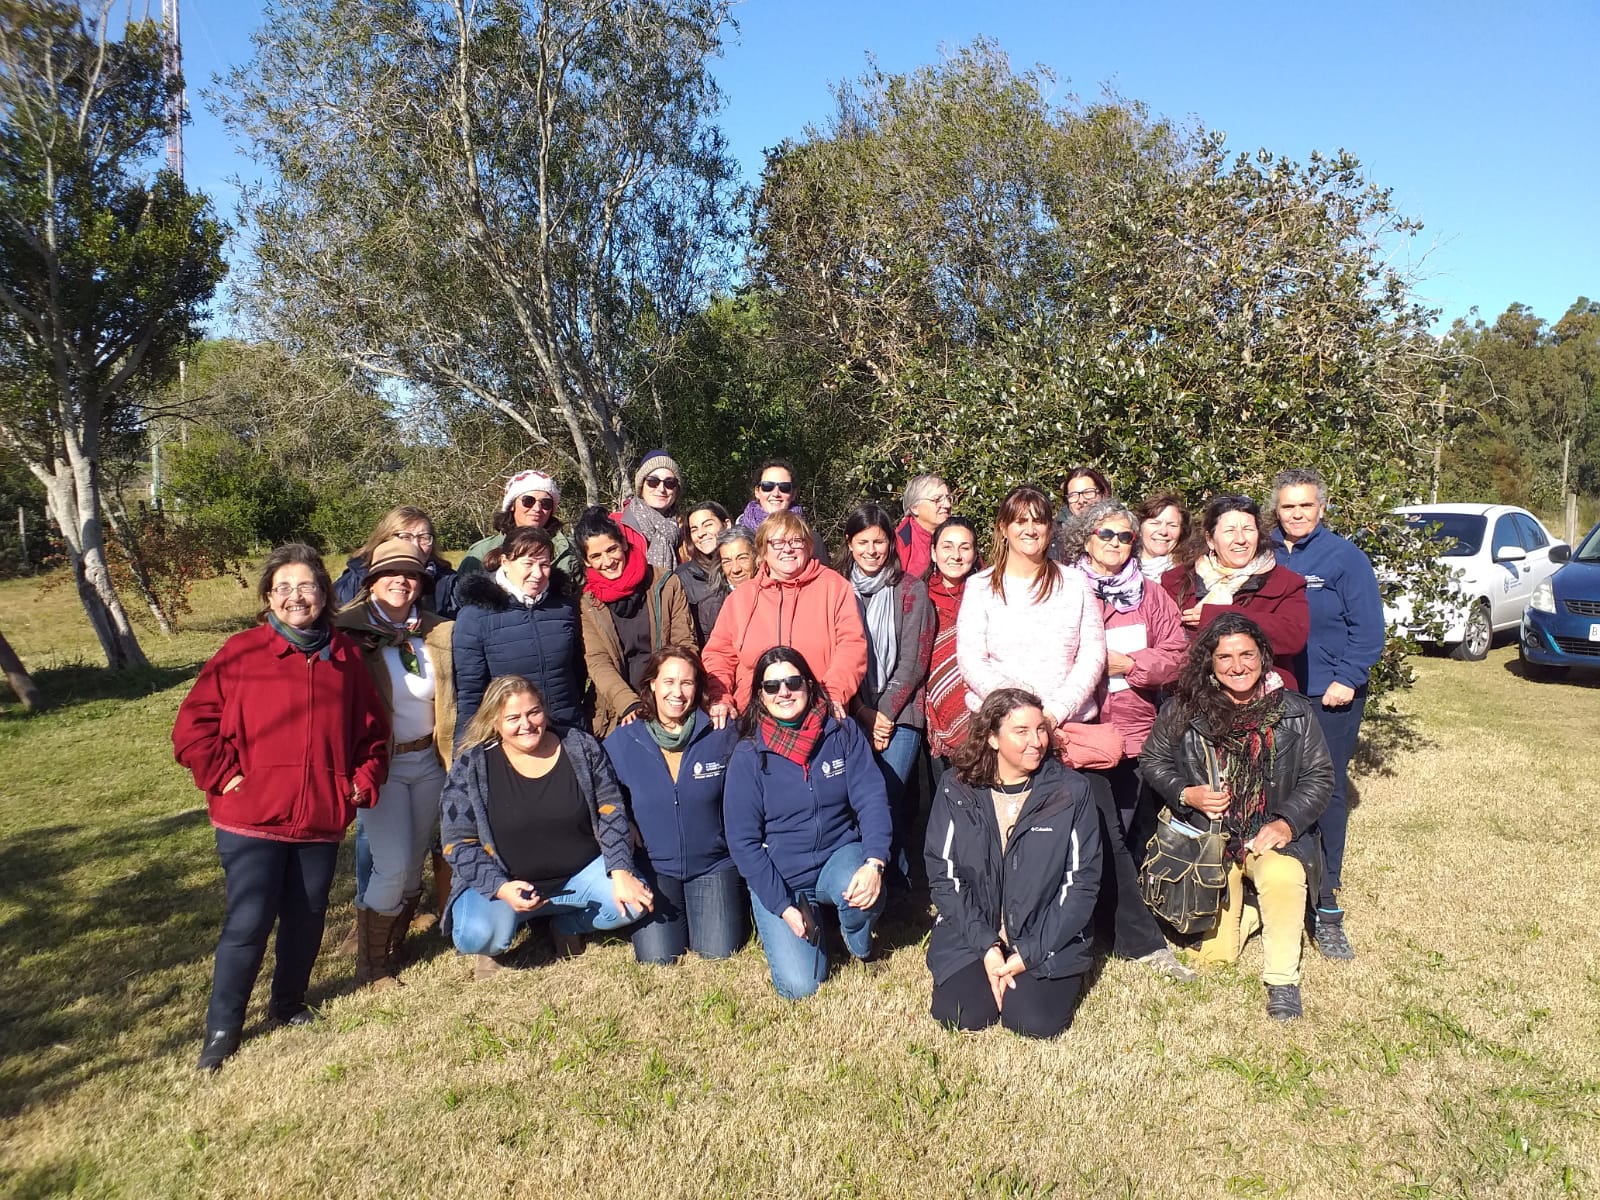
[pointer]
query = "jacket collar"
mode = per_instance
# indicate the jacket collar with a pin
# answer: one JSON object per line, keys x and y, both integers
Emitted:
{"x": 1277, "y": 539}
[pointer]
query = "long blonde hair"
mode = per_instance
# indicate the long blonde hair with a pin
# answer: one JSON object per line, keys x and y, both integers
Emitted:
{"x": 1024, "y": 499}
{"x": 485, "y": 724}
{"x": 390, "y": 525}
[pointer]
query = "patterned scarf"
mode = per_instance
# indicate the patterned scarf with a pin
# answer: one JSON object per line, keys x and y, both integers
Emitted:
{"x": 634, "y": 568}
{"x": 1223, "y": 583}
{"x": 876, "y": 600}
{"x": 1123, "y": 591}
{"x": 661, "y": 532}
{"x": 797, "y": 742}
{"x": 317, "y": 640}
{"x": 1246, "y": 752}
{"x": 398, "y": 634}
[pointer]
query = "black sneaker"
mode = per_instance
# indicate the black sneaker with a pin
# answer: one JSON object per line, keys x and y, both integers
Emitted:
{"x": 297, "y": 1015}
{"x": 217, "y": 1048}
{"x": 1328, "y": 934}
{"x": 1283, "y": 1001}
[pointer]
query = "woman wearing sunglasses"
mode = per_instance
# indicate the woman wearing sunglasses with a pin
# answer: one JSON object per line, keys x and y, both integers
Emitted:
{"x": 653, "y": 508}
{"x": 1145, "y": 649}
{"x": 631, "y": 609}
{"x": 530, "y": 502}
{"x": 772, "y": 490}
{"x": 807, "y": 821}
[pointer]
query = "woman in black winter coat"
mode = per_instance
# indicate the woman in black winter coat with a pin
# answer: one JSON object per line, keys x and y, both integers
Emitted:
{"x": 1013, "y": 857}
{"x": 1233, "y": 744}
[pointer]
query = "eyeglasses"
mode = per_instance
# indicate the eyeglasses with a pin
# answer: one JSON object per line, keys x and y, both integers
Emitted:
{"x": 1085, "y": 494}
{"x": 1115, "y": 535}
{"x": 284, "y": 590}
{"x": 789, "y": 683}
{"x": 530, "y": 501}
{"x": 941, "y": 498}
{"x": 420, "y": 539}
{"x": 772, "y": 485}
{"x": 794, "y": 543}
{"x": 664, "y": 482}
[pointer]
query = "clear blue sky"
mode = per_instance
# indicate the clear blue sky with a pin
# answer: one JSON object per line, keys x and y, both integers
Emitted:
{"x": 1481, "y": 117}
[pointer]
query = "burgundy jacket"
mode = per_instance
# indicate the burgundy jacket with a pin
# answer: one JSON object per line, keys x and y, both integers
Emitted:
{"x": 1275, "y": 601}
{"x": 309, "y": 735}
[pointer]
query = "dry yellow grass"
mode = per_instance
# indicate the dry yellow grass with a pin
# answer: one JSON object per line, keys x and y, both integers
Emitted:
{"x": 1458, "y": 1056}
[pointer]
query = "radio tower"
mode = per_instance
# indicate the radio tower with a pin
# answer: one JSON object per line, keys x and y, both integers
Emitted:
{"x": 172, "y": 68}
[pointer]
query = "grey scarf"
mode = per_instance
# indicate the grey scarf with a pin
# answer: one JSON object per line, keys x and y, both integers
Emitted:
{"x": 661, "y": 533}
{"x": 876, "y": 599}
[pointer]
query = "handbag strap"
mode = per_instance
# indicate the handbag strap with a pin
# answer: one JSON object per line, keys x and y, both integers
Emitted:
{"x": 1213, "y": 777}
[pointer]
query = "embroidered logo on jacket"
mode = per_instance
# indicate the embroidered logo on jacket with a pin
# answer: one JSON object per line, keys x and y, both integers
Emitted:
{"x": 1041, "y": 829}
{"x": 833, "y": 767}
{"x": 708, "y": 770}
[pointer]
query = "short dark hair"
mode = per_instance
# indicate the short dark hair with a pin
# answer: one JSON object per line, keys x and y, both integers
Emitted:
{"x": 778, "y": 654}
{"x": 863, "y": 517}
{"x": 767, "y": 464}
{"x": 652, "y": 668}
{"x": 1086, "y": 472}
{"x": 294, "y": 554}
{"x": 976, "y": 762}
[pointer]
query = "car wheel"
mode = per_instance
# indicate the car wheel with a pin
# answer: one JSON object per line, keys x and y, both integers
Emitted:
{"x": 1479, "y": 634}
{"x": 1538, "y": 671}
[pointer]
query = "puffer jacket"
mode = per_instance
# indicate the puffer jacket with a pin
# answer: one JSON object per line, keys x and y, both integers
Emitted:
{"x": 1045, "y": 881}
{"x": 670, "y": 625}
{"x": 1298, "y": 791}
{"x": 468, "y": 840}
{"x": 496, "y": 635}
{"x": 680, "y": 822}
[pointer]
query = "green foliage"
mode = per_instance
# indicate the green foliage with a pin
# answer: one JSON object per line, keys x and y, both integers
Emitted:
{"x": 19, "y": 490}
{"x": 237, "y": 494}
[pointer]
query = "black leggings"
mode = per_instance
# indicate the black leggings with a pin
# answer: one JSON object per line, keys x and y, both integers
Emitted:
{"x": 1036, "y": 1007}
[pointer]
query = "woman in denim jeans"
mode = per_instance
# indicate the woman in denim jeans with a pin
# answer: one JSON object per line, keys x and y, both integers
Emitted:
{"x": 807, "y": 821}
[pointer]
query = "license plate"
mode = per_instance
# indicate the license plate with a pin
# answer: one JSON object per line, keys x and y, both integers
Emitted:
{"x": 1594, "y": 633}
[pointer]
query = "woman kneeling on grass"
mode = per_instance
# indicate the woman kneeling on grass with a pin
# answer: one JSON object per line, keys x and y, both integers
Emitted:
{"x": 533, "y": 826}
{"x": 286, "y": 735}
{"x": 1013, "y": 856}
{"x": 1275, "y": 777}
{"x": 807, "y": 820}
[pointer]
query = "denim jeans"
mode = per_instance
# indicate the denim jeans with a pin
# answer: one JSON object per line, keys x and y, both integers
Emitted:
{"x": 363, "y": 858}
{"x": 586, "y": 905}
{"x": 267, "y": 882}
{"x": 798, "y": 967}
{"x": 896, "y": 761}
{"x": 398, "y": 829}
{"x": 707, "y": 913}
{"x": 1341, "y": 727}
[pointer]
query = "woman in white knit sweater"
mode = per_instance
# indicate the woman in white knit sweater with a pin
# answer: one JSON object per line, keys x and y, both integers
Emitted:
{"x": 1028, "y": 622}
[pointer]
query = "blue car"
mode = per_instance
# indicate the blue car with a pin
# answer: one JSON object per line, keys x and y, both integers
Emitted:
{"x": 1561, "y": 626}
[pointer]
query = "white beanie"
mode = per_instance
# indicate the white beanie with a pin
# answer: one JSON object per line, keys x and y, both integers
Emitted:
{"x": 524, "y": 482}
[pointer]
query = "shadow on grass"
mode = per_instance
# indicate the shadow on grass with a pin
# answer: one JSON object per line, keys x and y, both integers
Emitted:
{"x": 1580, "y": 677}
{"x": 1386, "y": 738}
{"x": 79, "y": 683}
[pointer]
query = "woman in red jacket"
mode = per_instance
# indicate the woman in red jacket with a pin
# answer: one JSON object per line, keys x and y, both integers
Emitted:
{"x": 285, "y": 733}
{"x": 1233, "y": 570}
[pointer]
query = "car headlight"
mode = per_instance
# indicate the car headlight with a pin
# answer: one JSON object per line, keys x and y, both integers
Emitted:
{"x": 1544, "y": 598}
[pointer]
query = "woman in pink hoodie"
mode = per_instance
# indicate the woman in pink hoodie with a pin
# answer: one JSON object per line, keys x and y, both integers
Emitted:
{"x": 793, "y": 601}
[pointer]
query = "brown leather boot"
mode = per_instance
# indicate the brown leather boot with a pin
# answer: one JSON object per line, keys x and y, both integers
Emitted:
{"x": 372, "y": 959}
{"x": 352, "y": 940}
{"x": 402, "y": 926}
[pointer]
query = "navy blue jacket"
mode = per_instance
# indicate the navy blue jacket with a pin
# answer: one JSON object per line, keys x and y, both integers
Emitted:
{"x": 681, "y": 823}
{"x": 1347, "y": 630}
{"x": 495, "y": 635}
{"x": 784, "y": 823}
{"x": 438, "y": 594}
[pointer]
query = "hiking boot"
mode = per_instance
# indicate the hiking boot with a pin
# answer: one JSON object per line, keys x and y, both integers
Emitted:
{"x": 402, "y": 926}
{"x": 567, "y": 945}
{"x": 1283, "y": 1001}
{"x": 1165, "y": 962}
{"x": 218, "y": 1046}
{"x": 1329, "y": 937}
{"x": 485, "y": 966}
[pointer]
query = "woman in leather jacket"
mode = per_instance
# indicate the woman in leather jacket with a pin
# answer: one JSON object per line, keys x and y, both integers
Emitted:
{"x": 1273, "y": 777}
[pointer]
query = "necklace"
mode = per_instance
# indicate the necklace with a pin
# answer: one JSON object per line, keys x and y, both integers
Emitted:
{"x": 1013, "y": 789}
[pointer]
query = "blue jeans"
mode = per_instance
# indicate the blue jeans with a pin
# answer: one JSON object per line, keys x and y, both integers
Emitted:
{"x": 707, "y": 913}
{"x": 1341, "y": 727}
{"x": 479, "y": 925}
{"x": 363, "y": 858}
{"x": 798, "y": 967}
{"x": 896, "y": 761}
{"x": 268, "y": 882}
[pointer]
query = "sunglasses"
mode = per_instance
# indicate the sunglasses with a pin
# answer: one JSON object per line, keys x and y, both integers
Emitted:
{"x": 531, "y": 501}
{"x": 770, "y": 485}
{"x": 666, "y": 482}
{"x": 793, "y": 683}
{"x": 1115, "y": 535}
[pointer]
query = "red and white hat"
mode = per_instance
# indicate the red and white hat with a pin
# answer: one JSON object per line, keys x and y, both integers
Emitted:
{"x": 524, "y": 482}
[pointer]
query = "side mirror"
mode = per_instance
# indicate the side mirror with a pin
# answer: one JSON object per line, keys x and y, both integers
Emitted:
{"x": 1560, "y": 553}
{"x": 1511, "y": 554}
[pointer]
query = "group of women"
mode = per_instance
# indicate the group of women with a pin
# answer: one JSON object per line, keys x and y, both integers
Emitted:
{"x": 669, "y": 721}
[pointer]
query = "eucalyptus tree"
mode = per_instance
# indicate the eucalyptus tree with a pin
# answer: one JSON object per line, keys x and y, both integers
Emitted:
{"x": 106, "y": 267}
{"x": 505, "y": 203}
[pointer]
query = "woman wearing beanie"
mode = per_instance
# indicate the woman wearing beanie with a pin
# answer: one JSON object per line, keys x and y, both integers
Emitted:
{"x": 652, "y": 510}
{"x": 407, "y": 650}
{"x": 630, "y": 610}
{"x": 530, "y": 502}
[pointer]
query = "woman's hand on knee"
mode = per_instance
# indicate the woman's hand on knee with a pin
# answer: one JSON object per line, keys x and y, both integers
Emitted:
{"x": 630, "y": 891}
{"x": 1274, "y": 835}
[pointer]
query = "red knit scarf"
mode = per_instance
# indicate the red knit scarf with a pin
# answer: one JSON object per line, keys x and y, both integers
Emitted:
{"x": 797, "y": 744}
{"x": 634, "y": 567}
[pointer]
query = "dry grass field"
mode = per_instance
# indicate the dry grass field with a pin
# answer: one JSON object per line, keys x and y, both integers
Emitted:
{"x": 1458, "y": 1056}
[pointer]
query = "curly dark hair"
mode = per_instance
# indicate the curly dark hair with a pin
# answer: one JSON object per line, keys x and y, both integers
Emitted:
{"x": 977, "y": 762}
{"x": 1197, "y": 693}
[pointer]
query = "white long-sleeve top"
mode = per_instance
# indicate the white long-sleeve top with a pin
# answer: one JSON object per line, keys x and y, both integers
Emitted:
{"x": 1056, "y": 649}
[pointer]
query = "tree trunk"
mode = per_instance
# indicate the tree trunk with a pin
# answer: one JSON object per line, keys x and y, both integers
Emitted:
{"x": 141, "y": 575}
{"x": 17, "y": 675}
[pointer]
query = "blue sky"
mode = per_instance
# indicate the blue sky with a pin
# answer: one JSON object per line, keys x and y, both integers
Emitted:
{"x": 1481, "y": 117}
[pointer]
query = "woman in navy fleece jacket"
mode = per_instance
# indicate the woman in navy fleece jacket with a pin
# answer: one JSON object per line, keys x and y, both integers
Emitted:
{"x": 807, "y": 820}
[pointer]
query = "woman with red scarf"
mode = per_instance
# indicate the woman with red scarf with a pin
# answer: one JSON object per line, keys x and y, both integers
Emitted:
{"x": 955, "y": 558}
{"x": 630, "y": 610}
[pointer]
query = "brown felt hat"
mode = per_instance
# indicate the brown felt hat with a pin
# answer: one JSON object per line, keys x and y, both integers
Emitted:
{"x": 398, "y": 557}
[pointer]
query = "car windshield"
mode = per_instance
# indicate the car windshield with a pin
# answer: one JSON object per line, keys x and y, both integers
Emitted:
{"x": 1589, "y": 549}
{"x": 1459, "y": 533}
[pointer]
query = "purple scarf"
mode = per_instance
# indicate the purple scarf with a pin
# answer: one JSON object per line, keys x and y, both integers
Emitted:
{"x": 754, "y": 514}
{"x": 1123, "y": 591}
